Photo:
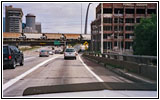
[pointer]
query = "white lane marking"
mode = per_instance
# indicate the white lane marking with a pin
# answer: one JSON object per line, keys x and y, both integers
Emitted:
{"x": 95, "y": 75}
{"x": 29, "y": 58}
{"x": 12, "y": 81}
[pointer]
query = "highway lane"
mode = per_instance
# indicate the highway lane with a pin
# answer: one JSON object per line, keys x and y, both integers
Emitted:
{"x": 55, "y": 72}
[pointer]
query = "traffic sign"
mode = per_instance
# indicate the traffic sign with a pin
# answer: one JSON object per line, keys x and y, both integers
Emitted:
{"x": 57, "y": 42}
{"x": 85, "y": 43}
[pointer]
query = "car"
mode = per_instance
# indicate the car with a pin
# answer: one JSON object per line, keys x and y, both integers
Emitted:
{"x": 57, "y": 52}
{"x": 70, "y": 53}
{"x": 43, "y": 53}
{"x": 50, "y": 52}
{"x": 12, "y": 56}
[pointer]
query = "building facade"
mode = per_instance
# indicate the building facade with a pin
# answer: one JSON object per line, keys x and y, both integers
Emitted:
{"x": 30, "y": 24}
{"x": 13, "y": 19}
{"x": 119, "y": 20}
{"x": 38, "y": 27}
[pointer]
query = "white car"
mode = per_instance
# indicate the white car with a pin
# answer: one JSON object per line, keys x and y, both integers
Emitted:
{"x": 70, "y": 53}
{"x": 50, "y": 52}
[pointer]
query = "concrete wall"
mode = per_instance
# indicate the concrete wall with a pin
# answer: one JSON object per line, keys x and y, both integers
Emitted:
{"x": 148, "y": 71}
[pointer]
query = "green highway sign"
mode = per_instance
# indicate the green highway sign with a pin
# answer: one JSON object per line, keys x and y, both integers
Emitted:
{"x": 57, "y": 42}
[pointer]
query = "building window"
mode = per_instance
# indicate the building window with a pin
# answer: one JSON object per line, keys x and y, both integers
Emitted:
{"x": 129, "y": 11}
{"x": 129, "y": 20}
{"x": 129, "y": 28}
{"x": 107, "y": 10}
{"x": 118, "y": 9}
{"x": 107, "y": 28}
{"x": 115, "y": 35}
{"x": 116, "y": 28}
{"x": 128, "y": 45}
{"x": 107, "y": 45}
{"x": 106, "y": 36}
{"x": 116, "y": 20}
{"x": 151, "y": 11}
{"x": 140, "y": 11}
{"x": 115, "y": 43}
{"x": 107, "y": 20}
{"x": 138, "y": 20}
{"x": 129, "y": 36}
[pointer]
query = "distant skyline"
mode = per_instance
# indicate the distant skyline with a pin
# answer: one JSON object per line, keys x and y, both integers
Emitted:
{"x": 58, "y": 17}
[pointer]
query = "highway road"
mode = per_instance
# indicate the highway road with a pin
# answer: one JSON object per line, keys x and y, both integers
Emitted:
{"x": 54, "y": 70}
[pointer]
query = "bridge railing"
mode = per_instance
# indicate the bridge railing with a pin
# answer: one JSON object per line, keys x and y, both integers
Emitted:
{"x": 140, "y": 59}
{"x": 143, "y": 65}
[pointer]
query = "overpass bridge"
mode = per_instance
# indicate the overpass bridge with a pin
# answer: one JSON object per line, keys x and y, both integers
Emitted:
{"x": 44, "y": 39}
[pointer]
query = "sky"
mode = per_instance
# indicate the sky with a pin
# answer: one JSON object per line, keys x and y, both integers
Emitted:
{"x": 58, "y": 17}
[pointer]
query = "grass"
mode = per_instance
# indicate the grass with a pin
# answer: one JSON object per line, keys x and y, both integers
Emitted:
{"x": 29, "y": 48}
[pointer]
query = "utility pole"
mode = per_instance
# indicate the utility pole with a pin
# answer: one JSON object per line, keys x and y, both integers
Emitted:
{"x": 85, "y": 31}
{"x": 118, "y": 33}
{"x": 81, "y": 18}
{"x": 102, "y": 28}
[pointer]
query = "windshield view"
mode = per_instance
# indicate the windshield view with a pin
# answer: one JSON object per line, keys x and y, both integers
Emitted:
{"x": 79, "y": 49}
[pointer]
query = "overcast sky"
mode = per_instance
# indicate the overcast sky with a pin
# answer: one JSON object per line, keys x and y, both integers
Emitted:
{"x": 58, "y": 17}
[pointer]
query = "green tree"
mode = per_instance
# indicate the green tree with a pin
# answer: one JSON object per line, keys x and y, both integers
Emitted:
{"x": 145, "y": 41}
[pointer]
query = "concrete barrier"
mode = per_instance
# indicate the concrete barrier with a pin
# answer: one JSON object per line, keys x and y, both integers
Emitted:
{"x": 148, "y": 71}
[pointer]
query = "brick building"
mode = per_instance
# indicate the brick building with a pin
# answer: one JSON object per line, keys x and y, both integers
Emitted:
{"x": 118, "y": 24}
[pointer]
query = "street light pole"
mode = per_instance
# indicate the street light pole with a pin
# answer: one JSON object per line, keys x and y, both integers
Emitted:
{"x": 102, "y": 28}
{"x": 81, "y": 18}
{"x": 118, "y": 33}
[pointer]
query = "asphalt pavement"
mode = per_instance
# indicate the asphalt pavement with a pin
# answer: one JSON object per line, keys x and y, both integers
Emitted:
{"x": 54, "y": 70}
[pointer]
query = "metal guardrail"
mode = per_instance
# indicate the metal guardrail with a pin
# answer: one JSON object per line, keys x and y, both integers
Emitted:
{"x": 148, "y": 60}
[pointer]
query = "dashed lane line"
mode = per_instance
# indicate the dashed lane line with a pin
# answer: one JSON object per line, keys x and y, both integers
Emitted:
{"x": 12, "y": 81}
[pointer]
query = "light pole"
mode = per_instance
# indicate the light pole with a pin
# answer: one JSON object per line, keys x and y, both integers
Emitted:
{"x": 85, "y": 31}
{"x": 102, "y": 28}
{"x": 81, "y": 18}
{"x": 118, "y": 33}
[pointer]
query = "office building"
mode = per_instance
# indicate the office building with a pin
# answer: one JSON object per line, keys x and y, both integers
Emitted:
{"x": 13, "y": 19}
{"x": 38, "y": 27}
{"x": 118, "y": 24}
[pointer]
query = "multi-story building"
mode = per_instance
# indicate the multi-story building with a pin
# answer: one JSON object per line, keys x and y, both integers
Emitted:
{"x": 30, "y": 23}
{"x": 38, "y": 27}
{"x": 13, "y": 19}
{"x": 118, "y": 23}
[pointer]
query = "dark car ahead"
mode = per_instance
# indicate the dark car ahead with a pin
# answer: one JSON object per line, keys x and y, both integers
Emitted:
{"x": 12, "y": 56}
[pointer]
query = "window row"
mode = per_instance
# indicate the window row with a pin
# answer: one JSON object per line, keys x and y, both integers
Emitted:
{"x": 116, "y": 28}
{"x": 108, "y": 36}
{"x": 120, "y": 20}
{"x": 108, "y": 45}
{"x": 128, "y": 11}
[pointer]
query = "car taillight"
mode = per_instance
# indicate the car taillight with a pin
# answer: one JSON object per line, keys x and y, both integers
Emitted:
{"x": 9, "y": 57}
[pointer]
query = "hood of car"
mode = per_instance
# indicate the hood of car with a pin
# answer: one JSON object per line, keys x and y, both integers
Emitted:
{"x": 102, "y": 89}
{"x": 100, "y": 93}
